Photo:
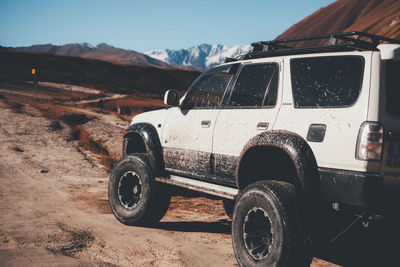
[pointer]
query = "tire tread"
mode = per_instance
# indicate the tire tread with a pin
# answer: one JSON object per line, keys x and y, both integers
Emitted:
{"x": 159, "y": 198}
{"x": 284, "y": 196}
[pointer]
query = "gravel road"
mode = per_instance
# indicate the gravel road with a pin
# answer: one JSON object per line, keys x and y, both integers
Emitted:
{"x": 55, "y": 209}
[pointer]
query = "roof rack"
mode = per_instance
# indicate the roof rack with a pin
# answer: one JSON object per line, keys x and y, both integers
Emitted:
{"x": 342, "y": 41}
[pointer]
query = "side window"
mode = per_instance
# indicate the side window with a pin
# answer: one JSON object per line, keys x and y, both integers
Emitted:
{"x": 209, "y": 89}
{"x": 256, "y": 86}
{"x": 326, "y": 81}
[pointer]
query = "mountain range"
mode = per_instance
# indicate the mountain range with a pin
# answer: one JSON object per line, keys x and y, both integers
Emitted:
{"x": 380, "y": 17}
{"x": 199, "y": 57}
{"x": 101, "y": 51}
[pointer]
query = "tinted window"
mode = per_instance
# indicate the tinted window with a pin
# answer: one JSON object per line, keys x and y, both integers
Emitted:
{"x": 256, "y": 86}
{"x": 326, "y": 81}
{"x": 393, "y": 87}
{"x": 209, "y": 89}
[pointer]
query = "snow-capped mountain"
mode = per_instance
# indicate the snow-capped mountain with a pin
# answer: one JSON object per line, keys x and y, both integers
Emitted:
{"x": 199, "y": 57}
{"x": 85, "y": 45}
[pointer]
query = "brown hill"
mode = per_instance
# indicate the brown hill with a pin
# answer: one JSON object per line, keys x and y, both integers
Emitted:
{"x": 102, "y": 52}
{"x": 381, "y": 17}
{"x": 16, "y": 67}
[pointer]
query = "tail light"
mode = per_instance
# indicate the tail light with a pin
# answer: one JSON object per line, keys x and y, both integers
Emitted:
{"x": 370, "y": 141}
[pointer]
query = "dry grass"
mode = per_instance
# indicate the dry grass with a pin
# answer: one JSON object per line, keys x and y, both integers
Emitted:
{"x": 86, "y": 142}
{"x": 136, "y": 103}
{"x": 15, "y": 106}
{"x": 58, "y": 109}
{"x": 74, "y": 120}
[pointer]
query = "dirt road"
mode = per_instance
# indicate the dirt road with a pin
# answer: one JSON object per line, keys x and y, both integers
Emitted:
{"x": 54, "y": 208}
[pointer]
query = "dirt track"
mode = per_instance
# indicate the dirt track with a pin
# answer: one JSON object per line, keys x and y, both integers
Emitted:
{"x": 55, "y": 210}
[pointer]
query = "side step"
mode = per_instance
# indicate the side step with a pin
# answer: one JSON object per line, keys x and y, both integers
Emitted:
{"x": 212, "y": 189}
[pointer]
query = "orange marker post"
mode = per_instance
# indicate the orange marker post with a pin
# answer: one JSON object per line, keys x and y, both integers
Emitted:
{"x": 34, "y": 83}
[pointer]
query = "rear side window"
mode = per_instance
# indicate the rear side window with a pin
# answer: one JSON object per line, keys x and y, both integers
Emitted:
{"x": 209, "y": 89}
{"x": 256, "y": 86}
{"x": 393, "y": 88}
{"x": 326, "y": 81}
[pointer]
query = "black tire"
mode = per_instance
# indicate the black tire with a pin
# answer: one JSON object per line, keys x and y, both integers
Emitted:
{"x": 135, "y": 198}
{"x": 265, "y": 228}
{"x": 228, "y": 206}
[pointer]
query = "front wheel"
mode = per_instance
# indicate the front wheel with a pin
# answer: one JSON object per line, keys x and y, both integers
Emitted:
{"x": 265, "y": 226}
{"x": 135, "y": 197}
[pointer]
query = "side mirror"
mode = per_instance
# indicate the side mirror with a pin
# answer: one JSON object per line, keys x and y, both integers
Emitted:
{"x": 171, "y": 98}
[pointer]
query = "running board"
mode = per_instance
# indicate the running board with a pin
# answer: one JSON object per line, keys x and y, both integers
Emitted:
{"x": 211, "y": 189}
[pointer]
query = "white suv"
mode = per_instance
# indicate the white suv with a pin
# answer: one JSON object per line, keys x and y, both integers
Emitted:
{"x": 278, "y": 134}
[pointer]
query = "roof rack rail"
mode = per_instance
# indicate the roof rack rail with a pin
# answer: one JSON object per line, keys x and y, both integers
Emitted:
{"x": 230, "y": 59}
{"x": 342, "y": 41}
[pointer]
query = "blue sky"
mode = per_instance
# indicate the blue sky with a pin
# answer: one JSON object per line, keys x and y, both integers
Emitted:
{"x": 149, "y": 24}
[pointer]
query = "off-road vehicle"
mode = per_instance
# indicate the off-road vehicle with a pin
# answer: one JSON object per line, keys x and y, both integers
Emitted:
{"x": 281, "y": 134}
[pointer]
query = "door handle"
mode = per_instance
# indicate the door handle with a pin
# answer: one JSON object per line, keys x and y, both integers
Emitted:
{"x": 205, "y": 124}
{"x": 262, "y": 125}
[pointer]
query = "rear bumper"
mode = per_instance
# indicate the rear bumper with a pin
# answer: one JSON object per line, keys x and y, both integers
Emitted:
{"x": 352, "y": 188}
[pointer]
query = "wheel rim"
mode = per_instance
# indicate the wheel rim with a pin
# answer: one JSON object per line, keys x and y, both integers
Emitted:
{"x": 257, "y": 233}
{"x": 130, "y": 190}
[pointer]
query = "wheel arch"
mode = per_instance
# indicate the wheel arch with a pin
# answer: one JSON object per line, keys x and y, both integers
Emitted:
{"x": 285, "y": 156}
{"x": 143, "y": 138}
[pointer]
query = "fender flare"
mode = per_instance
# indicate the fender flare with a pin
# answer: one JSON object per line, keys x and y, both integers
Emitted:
{"x": 299, "y": 152}
{"x": 152, "y": 143}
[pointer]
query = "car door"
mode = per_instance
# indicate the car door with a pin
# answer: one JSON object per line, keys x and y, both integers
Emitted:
{"x": 188, "y": 131}
{"x": 251, "y": 109}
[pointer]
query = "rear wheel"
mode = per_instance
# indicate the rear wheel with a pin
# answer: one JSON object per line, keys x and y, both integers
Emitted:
{"x": 265, "y": 226}
{"x": 135, "y": 198}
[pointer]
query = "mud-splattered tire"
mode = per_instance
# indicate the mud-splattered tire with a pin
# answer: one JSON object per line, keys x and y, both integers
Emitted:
{"x": 265, "y": 228}
{"x": 228, "y": 206}
{"x": 135, "y": 198}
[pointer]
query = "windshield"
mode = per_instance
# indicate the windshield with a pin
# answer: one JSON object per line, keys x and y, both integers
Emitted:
{"x": 208, "y": 90}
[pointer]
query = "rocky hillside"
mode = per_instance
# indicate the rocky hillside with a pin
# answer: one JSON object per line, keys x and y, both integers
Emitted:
{"x": 16, "y": 67}
{"x": 381, "y": 17}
